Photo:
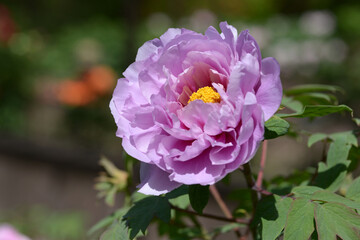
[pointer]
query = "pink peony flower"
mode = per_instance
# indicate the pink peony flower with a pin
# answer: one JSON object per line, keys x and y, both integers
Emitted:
{"x": 7, "y": 232}
{"x": 192, "y": 107}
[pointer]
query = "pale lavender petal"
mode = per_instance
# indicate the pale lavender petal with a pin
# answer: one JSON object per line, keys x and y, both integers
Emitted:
{"x": 269, "y": 93}
{"x": 146, "y": 51}
{"x": 196, "y": 113}
{"x": 246, "y": 44}
{"x": 196, "y": 171}
{"x": 244, "y": 77}
{"x": 212, "y": 33}
{"x": 133, "y": 71}
{"x": 148, "y": 85}
{"x": 229, "y": 34}
{"x": 169, "y": 35}
{"x": 155, "y": 181}
{"x": 193, "y": 150}
{"x": 132, "y": 151}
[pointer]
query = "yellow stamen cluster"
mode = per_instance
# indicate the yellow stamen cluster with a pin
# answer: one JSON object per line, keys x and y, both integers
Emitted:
{"x": 206, "y": 94}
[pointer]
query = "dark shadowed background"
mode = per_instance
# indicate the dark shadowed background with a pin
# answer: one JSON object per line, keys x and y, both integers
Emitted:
{"x": 59, "y": 61}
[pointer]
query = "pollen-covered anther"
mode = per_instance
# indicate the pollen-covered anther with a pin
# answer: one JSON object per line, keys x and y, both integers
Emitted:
{"x": 206, "y": 94}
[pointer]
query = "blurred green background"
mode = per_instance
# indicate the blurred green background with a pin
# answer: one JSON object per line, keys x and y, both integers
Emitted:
{"x": 59, "y": 61}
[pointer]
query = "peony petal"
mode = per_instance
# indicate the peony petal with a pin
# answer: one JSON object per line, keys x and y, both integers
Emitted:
{"x": 169, "y": 35}
{"x": 155, "y": 181}
{"x": 132, "y": 72}
{"x": 195, "y": 114}
{"x": 250, "y": 103}
{"x": 132, "y": 151}
{"x": 269, "y": 93}
{"x": 126, "y": 101}
{"x": 224, "y": 154}
{"x": 147, "y": 50}
{"x": 243, "y": 78}
{"x": 194, "y": 150}
{"x": 229, "y": 34}
{"x": 212, "y": 33}
{"x": 246, "y": 44}
{"x": 150, "y": 85}
{"x": 196, "y": 171}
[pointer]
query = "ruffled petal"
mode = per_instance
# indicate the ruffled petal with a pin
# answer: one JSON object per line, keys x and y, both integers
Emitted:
{"x": 269, "y": 94}
{"x": 155, "y": 181}
{"x": 229, "y": 34}
{"x": 196, "y": 171}
{"x": 147, "y": 50}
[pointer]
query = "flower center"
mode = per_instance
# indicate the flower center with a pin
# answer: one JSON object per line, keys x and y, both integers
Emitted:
{"x": 206, "y": 94}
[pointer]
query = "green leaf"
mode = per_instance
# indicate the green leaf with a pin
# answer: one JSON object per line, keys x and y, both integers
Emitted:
{"x": 140, "y": 215}
{"x": 191, "y": 233}
{"x": 243, "y": 199}
{"x": 316, "y": 137}
{"x": 271, "y": 212}
{"x": 305, "y": 191}
{"x": 307, "y": 88}
{"x": 327, "y": 196}
{"x": 354, "y": 190}
{"x": 333, "y": 219}
{"x": 137, "y": 196}
{"x": 347, "y": 137}
{"x": 107, "y": 221}
{"x": 316, "y": 99}
{"x": 275, "y": 127}
{"x": 181, "y": 201}
{"x": 182, "y": 190}
{"x": 117, "y": 231}
{"x": 354, "y": 157}
{"x": 331, "y": 175}
{"x": 330, "y": 178}
{"x": 300, "y": 220}
{"x": 338, "y": 150}
{"x": 110, "y": 196}
{"x": 199, "y": 197}
{"x": 317, "y": 111}
{"x": 356, "y": 121}
{"x": 225, "y": 228}
{"x": 292, "y": 104}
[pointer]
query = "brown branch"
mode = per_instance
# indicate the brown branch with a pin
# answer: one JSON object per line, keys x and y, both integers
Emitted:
{"x": 262, "y": 165}
{"x": 251, "y": 184}
{"x": 224, "y": 208}
{"x": 254, "y": 195}
{"x": 262, "y": 191}
{"x": 220, "y": 202}
{"x": 233, "y": 220}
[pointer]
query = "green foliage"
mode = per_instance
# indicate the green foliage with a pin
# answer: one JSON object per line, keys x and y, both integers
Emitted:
{"x": 140, "y": 215}
{"x": 317, "y": 111}
{"x": 199, "y": 197}
{"x": 331, "y": 174}
{"x": 312, "y": 88}
{"x": 111, "y": 182}
{"x": 334, "y": 219}
{"x": 353, "y": 192}
{"x": 107, "y": 221}
{"x": 271, "y": 214}
{"x": 299, "y": 223}
{"x": 316, "y": 137}
{"x": 225, "y": 228}
{"x": 275, "y": 127}
{"x": 117, "y": 231}
{"x": 294, "y": 216}
{"x": 305, "y": 191}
